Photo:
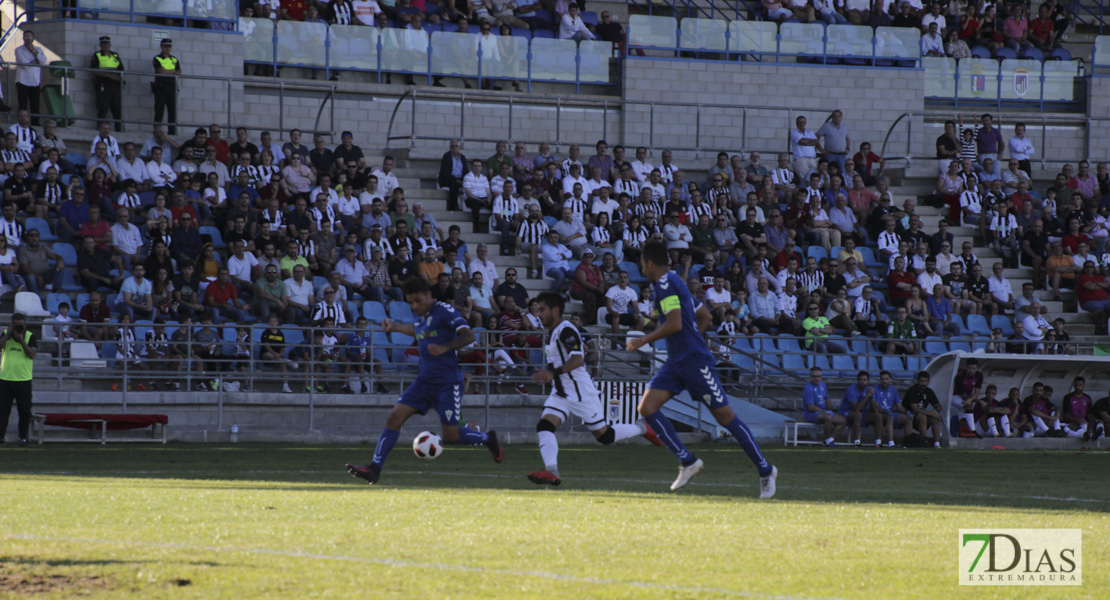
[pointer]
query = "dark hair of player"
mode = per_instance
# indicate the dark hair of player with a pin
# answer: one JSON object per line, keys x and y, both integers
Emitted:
{"x": 415, "y": 285}
{"x": 552, "y": 300}
{"x": 655, "y": 252}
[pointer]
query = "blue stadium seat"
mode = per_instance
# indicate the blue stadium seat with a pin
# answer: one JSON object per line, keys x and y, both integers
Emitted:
{"x": 835, "y": 251}
{"x": 788, "y": 344}
{"x": 1059, "y": 54}
{"x": 1003, "y": 323}
{"x": 82, "y": 300}
{"x": 977, "y": 325}
{"x": 589, "y": 18}
{"x": 66, "y": 251}
{"x": 981, "y": 52}
{"x": 78, "y": 159}
{"x": 400, "y": 312}
{"x": 821, "y": 362}
{"x": 373, "y": 311}
{"x": 935, "y": 346}
{"x": 893, "y": 364}
{"x": 844, "y": 365}
{"x": 543, "y": 33}
{"x": 69, "y": 281}
{"x": 795, "y": 364}
{"x": 959, "y": 346}
{"x": 214, "y": 234}
{"x": 743, "y": 361}
{"x": 1005, "y": 53}
{"x": 400, "y": 343}
{"x": 817, "y": 252}
{"x": 545, "y": 15}
{"x": 381, "y": 344}
{"x": 43, "y": 227}
{"x": 475, "y": 29}
{"x": 959, "y": 321}
{"x": 522, "y": 32}
{"x": 633, "y": 270}
{"x": 1032, "y": 54}
{"x": 432, "y": 28}
{"x": 869, "y": 257}
{"x": 293, "y": 338}
{"x": 872, "y": 367}
{"x": 54, "y": 299}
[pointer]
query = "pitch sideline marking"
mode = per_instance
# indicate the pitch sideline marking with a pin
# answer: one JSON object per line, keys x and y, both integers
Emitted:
{"x": 497, "y": 476}
{"x": 389, "y": 562}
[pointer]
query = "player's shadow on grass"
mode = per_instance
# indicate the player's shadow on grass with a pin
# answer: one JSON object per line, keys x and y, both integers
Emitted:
{"x": 68, "y": 562}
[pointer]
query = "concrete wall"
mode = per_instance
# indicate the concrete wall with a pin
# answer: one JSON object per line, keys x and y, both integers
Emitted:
{"x": 202, "y": 52}
{"x": 871, "y": 100}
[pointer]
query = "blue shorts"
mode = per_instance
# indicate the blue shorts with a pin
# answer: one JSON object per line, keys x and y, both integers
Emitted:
{"x": 695, "y": 376}
{"x": 812, "y": 416}
{"x": 444, "y": 398}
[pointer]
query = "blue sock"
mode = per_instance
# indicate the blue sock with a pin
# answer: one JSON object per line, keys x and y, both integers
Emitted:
{"x": 385, "y": 444}
{"x": 743, "y": 436}
{"x": 663, "y": 428}
{"x": 469, "y": 436}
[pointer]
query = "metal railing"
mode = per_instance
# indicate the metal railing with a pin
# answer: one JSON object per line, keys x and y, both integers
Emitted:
{"x": 1077, "y": 126}
{"x": 726, "y": 9}
{"x": 231, "y": 111}
{"x": 1091, "y": 13}
{"x": 706, "y": 137}
{"x": 428, "y": 53}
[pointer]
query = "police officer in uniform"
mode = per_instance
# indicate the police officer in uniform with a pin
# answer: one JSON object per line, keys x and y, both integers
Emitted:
{"x": 165, "y": 88}
{"x": 108, "y": 81}
{"x": 16, "y": 371}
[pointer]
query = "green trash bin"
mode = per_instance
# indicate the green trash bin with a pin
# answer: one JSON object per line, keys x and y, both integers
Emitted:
{"x": 57, "y": 99}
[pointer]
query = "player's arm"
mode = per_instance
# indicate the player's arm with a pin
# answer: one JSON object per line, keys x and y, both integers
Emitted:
{"x": 666, "y": 328}
{"x": 548, "y": 374}
{"x": 389, "y": 326}
{"x": 705, "y": 319}
{"x": 463, "y": 337}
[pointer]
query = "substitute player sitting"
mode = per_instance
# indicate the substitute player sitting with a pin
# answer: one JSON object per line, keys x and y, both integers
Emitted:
{"x": 1098, "y": 418}
{"x": 439, "y": 331}
{"x": 923, "y": 408}
{"x": 689, "y": 367}
{"x": 886, "y": 411}
{"x": 574, "y": 392}
{"x": 856, "y": 404}
{"x": 816, "y": 400}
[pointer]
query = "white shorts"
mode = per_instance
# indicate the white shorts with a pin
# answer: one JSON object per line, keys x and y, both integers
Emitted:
{"x": 588, "y": 408}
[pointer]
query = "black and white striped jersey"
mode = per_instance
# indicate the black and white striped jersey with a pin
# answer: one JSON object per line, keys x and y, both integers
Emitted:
{"x": 532, "y": 232}
{"x": 565, "y": 342}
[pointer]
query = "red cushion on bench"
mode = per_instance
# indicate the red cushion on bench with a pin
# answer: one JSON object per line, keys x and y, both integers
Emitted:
{"x": 115, "y": 422}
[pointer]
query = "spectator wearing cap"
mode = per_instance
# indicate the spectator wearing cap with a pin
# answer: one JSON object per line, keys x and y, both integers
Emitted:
{"x": 164, "y": 87}
{"x": 108, "y": 81}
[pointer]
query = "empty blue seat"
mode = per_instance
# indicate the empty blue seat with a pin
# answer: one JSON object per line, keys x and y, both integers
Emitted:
{"x": 589, "y": 18}
{"x": 214, "y": 234}
{"x": 795, "y": 363}
{"x": 43, "y": 227}
{"x": 543, "y": 33}
{"x": 788, "y": 344}
{"x": 1032, "y": 54}
{"x": 981, "y": 52}
{"x": 817, "y": 252}
{"x": 69, "y": 281}
{"x": 522, "y": 32}
{"x": 892, "y": 363}
{"x": 1005, "y": 53}
{"x": 869, "y": 257}
{"x": 78, "y": 159}
{"x": 1003, "y": 323}
{"x": 633, "y": 270}
{"x": 959, "y": 322}
{"x": 66, "y": 251}
{"x": 400, "y": 312}
{"x": 1059, "y": 54}
{"x": 844, "y": 365}
{"x": 54, "y": 299}
{"x": 959, "y": 346}
{"x": 935, "y": 346}
{"x": 977, "y": 325}
{"x": 373, "y": 311}
{"x": 743, "y": 361}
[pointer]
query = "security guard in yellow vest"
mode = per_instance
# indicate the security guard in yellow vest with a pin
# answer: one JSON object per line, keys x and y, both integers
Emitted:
{"x": 108, "y": 81}
{"x": 17, "y": 366}
{"x": 165, "y": 88}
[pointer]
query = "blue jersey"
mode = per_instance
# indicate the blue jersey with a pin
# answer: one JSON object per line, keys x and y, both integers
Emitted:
{"x": 818, "y": 395}
{"x": 851, "y": 396}
{"x": 358, "y": 346}
{"x": 671, "y": 293}
{"x": 886, "y": 399}
{"x": 440, "y": 326}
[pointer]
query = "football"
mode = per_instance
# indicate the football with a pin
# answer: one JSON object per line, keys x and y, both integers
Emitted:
{"x": 427, "y": 445}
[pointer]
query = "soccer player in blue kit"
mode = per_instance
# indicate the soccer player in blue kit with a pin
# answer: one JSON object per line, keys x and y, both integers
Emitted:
{"x": 690, "y": 366}
{"x": 439, "y": 331}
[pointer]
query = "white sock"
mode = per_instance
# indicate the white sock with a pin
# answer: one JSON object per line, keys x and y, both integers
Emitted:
{"x": 1056, "y": 426}
{"x": 979, "y": 428}
{"x": 970, "y": 420}
{"x": 936, "y": 444}
{"x": 890, "y": 444}
{"x": 1039, "y": 425}
{"x": 1005, "y": 425}
{"x": 1078, "y": 432}
{"x": 855, "y": 441}
{"x": 993, "y": 430}
{"x": 1100, "y": 427}
{"x": 549, "y": 450}
{"x": 829, "y": 440}
{"x": 623, "y": 432}
{"x": 1027, "y": 434}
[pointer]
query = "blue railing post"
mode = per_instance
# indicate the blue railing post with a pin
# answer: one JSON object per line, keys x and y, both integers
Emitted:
{"x": 379, "y": 43}
{"x": 529, "y": 58}
{"x": 430, "y": 50}
{"x": 998, "y": 94}
{"x": 578, "y": 68}
{"x": 677, "y": 40}
{"x": 728, "y": 41}
{"x": 955, "y": 85}
{"x": 184, "y": 12}
{"x": 874, "y": 49}
{"x": 825, "y": 45}
{"x": 327, "y": 54}
{"x": 479, "y": 63}
{"x": 273, "y": 56}
{"x": 778, "y": 44}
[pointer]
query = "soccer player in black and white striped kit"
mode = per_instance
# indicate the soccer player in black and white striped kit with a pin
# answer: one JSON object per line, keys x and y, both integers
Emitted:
{"x": 574, "y": 392}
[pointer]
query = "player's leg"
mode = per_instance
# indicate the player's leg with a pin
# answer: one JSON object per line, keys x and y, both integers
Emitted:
{"x": 650, "y": 409}
{"x": 920, "y": 424}
{"x": 839, "y": 423}
{"x": 888, "y": 421}
{"x": 549, "y": 447}
{"x": 448, "y": 406}
{"x": 856, "y": 419}
{"x": 743, "y": 436}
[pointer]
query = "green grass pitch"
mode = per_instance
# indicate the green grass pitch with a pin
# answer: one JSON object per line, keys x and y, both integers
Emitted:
{"x": 280, "y": 521}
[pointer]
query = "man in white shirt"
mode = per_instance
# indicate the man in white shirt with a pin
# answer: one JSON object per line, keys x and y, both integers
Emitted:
{"x": 620, "y": 303}
{"x": 1001, "y": 292}
{"x": 28, "y": 79}
{"x": 160, "y": 174}
{"x": 931, "y": 43}
{"x": 804, "y": 146}
{"x": 555, "y": 257}
{"x": 571, "y": 232}
{"x": 476, "y": 189}
{"x": 641, "y": 168}
{"x": 127, "y": 240}
{"x": 484, "y": 266}
{"x": 1033, "y": 328}
{"x": 929, "y": 277}
{"x": 299, "y": 291}
{"x": 243, "y": 268}
{"x": 1083, "y": 255}
{"x": 211, "y": 165}
{"x": 574, "y": 177}
{"x": 130, "y": 166}
{"x": 653, "y": 183}
{"x": 603, "y": 203}
{"x": 387, "y": 181}
{"x": 571, "y": 26}
{"x": 677, "y": 236}
{"x": 595, "y": 183}
{"x": 667, "y": 169}
{"x": 498, "y": 182}
{"x": 1021, "y": 148}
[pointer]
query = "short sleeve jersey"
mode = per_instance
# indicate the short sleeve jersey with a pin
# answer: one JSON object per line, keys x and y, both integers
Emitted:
{"x": 440, "y": 326}
{"x": 919, "y": 397}
{"x": 565, "y": 342}
{"x": 1077, "y": 405}
{"x": 817, "y": 395}
{"x": 886, "y": 399}
{"x": 965, "y": 383}
{"x": 671, "y": 293}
